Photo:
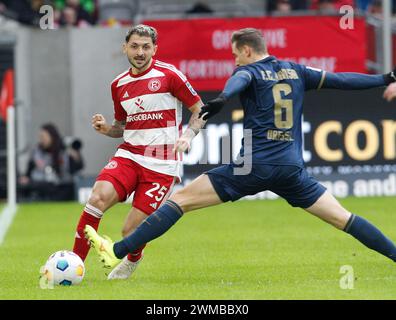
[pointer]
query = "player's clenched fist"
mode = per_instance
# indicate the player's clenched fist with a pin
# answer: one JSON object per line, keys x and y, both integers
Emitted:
{"x": 390, "y": 92}
{"x": 99, "y": 123}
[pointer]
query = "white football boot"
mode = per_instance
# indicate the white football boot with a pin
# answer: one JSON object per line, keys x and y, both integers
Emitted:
{"x": 124, "y": 270}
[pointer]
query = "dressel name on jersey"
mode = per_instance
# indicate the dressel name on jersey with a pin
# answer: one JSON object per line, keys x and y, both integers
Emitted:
{"x": 279, "y": 135}
{"x": 282, "y": 74}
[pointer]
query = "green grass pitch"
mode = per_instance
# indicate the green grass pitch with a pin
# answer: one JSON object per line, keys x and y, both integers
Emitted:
{"x": 244, "y": 250}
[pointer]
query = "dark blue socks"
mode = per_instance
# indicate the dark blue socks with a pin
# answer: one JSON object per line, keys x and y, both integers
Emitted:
{"x": 167, "y": 215}
{"x": 154, "y": 226}
{"x": 370, "y": 236}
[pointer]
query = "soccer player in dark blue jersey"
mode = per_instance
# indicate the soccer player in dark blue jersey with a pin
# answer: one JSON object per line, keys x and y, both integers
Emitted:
{"x": 271, "y": 92}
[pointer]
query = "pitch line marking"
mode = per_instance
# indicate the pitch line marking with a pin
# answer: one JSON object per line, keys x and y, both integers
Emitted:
{"x": 6, "y": 217}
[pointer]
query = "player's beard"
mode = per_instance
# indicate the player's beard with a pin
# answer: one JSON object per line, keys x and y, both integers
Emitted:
{"x": 131, "y": 61}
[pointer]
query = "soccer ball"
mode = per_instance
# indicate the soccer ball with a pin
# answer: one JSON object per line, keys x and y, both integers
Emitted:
{"x": 64, "y": 268}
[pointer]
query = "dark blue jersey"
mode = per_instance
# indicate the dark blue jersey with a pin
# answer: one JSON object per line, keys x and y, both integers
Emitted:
{"x": 272, "y": 92}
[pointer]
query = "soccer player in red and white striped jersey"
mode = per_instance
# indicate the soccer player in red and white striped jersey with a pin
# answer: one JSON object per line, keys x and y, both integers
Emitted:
{"x": 148, "y": 100}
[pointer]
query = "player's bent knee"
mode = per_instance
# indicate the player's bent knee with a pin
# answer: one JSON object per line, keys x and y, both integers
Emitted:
{"x": 340, "y": 218}
{"x": 183, "y": 199}
{"x": 342, "y": 221}
{"x": 99, "y": 200}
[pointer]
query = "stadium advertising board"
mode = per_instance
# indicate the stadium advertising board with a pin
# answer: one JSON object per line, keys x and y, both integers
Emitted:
{"x": 349, "y": 142}
{"x": 207, "y": 61}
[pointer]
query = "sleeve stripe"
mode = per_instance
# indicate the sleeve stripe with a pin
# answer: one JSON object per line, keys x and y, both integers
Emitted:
{"x": 120, "y": 76}
{"x": 172, "y": 68}
{"x": 322, "y": 80}
{"x": 245, "y": 72}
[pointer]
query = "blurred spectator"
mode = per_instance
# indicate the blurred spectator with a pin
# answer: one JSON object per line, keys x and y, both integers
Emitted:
{"x": 286, "y": 6}
{"x": 362, "y": 4}
{"x": 200, "y": 7}
{"x": 375, "y": 8}
{"x": 283, "y": 6}
{"x": 51, "y": 168}
{"x": 74, "y": 14}
{"x": 330, "y": 5}
{"x": 25, "y": 11}
{"x": 87, "y": 5}
{"x": 3, "y": 5}
{"x": 68, "y": 17}
{"x": 326, "y": 6}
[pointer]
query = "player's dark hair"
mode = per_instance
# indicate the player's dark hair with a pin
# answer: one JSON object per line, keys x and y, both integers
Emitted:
{"x": 250, "y": 37}
{"x": 142, "y": 30}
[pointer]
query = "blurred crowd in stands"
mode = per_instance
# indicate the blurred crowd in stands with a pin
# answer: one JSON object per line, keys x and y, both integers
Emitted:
{"x": 66, "y": 12}
{"x": 82, "y": 13}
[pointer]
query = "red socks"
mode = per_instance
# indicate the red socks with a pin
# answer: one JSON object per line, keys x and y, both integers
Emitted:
{"x": 136, "y": 255}
{"x": 90, "y": 216}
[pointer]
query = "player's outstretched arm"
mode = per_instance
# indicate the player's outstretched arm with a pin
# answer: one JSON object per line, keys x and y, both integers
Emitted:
{"x": 357, "y": 81}
{"x": 236, "y": 84}
{"x": 195, "y": 124}
{"x": 116, "y": 130}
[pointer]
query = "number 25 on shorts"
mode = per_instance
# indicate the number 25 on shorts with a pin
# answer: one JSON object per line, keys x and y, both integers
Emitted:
{"x": 158, "y": 192}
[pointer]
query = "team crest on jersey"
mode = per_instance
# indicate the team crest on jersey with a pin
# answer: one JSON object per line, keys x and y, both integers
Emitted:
{"x": 154, "y": 85}
{"x": 111, "y": 165}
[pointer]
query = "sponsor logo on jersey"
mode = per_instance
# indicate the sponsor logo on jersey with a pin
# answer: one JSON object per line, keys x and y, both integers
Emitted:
{"x": 111, "y": 165}
{"x": 154, "y": 85}
{"x": 145, "y": 117}
{"x": 189, "y": 86}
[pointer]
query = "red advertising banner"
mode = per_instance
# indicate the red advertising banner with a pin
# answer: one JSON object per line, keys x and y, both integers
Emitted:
{"x": 201, "y": 48}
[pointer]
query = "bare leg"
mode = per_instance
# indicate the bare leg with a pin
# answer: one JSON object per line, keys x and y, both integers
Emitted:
{"x": 103, "y": 196}
{"x": 132, "y": 221}
{"x": 128, "y": 265}
{"x": 330, "y": 210}
{"x": 198, "y": 194}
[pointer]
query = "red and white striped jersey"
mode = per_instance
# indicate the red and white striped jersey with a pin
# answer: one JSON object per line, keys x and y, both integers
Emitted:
{"x": 151, "y": 105}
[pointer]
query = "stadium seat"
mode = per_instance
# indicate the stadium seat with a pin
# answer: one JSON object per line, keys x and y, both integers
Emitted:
{"x": 119, "y": 10}
{"x": 178, "y": 9}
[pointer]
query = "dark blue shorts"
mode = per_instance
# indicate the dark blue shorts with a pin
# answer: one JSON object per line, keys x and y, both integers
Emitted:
{"x": 292, "y": 183}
